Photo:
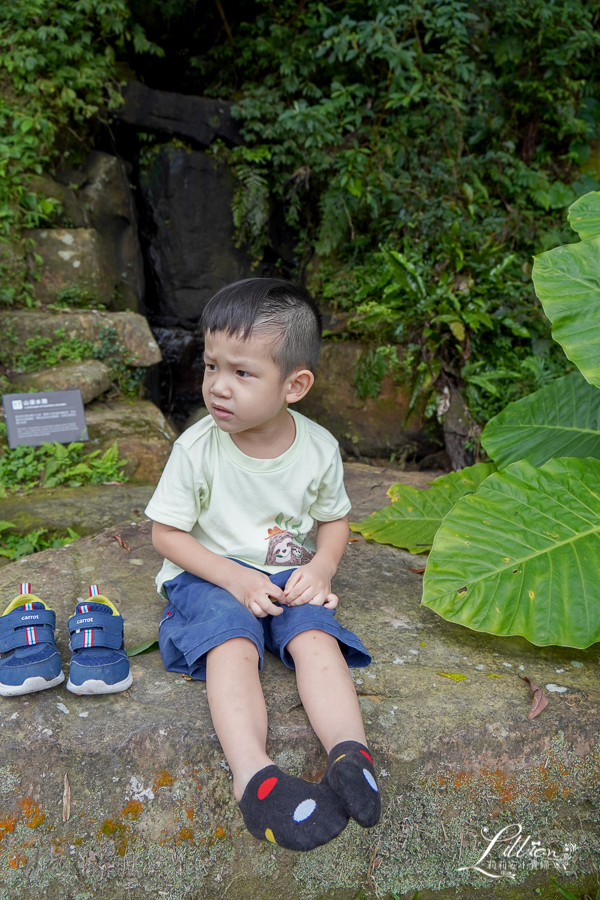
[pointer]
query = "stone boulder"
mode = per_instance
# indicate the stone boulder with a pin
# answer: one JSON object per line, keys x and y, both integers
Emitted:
{"x": 130, "y": 795}
{"x": 98, "y": 196}
{"x": 86, "y": 509}
{"x": 142, "y": 433}
{"x": 91, "y": 377}
{"x": 188, "y": 231}
{"x": 372, "y": 428}
{"x": 131, "y": 330}
{"x": 107, "y": 200}
{"x": 200, "y": 118}
{"x": 73, "y": 213}
{"x": 68, "y": 258}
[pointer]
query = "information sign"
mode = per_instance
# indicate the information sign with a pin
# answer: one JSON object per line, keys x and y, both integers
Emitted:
{"x": 44, "y": 417}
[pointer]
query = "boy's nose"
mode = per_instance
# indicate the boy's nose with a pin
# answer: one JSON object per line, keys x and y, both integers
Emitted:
{"x": 220, "y": 386}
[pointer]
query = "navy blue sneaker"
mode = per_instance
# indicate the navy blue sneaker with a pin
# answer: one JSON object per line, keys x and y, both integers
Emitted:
{"x": 29, "y": 660}
{"x": 99, "y": 664}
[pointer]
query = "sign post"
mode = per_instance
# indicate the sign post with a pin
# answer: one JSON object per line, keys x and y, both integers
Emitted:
{"x": 44, "y": 417}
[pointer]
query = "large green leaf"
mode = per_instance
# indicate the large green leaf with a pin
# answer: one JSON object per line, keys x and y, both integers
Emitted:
{"x": 584, "y": 216}
{"x": 561, "y": 419}
{"x": 414, "y": 515}
{"x": 567, "y": 281}
{"x": 522, "y": 555}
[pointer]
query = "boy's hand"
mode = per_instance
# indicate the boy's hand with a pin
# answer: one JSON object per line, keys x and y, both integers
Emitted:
{"x": 253, "y": 589}
{"x": 311, "y": 584}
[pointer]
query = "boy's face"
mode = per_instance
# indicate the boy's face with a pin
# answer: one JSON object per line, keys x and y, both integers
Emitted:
{"x": 242, "y": 385}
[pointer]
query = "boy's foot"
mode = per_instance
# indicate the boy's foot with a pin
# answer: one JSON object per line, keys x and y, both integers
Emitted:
{"x": 350, "y": 773}
{"x": 29, "y": 660}
{"x": 288, "y": 811}
{"x": 99, "y": 664}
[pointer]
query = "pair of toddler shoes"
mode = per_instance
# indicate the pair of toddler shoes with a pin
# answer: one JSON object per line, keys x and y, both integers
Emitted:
{"x": 29, "y": 658}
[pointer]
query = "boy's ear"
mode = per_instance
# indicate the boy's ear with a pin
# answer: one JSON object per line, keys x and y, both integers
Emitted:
{"x": 299, "y": 384}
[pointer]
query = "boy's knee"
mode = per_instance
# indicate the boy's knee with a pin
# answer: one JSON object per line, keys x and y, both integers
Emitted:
{"x": 238, "y": 648}
{"x": 312, "y": 642}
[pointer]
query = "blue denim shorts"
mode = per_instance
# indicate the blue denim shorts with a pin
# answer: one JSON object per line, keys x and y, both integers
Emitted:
{"x": 201, "y": 616}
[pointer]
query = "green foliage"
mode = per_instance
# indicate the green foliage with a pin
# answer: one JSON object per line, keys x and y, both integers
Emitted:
{"x": 584, "y": 217}
{"x": 520, "y": 555}
{"x": 129, "y": 380}
{"x": 373, "y": 365}
{"x": 562, "y": 419}
{"x": 57, "y": 70}
{"x": 50, "y": 465}
{"x": 442, "y": 137}
{"x": 75, "y": 297}
{"x": 414, "y": 516}
{"x": 251, "y": 201}
{"x": 567, "y": 281}
{"x": 146, "y": 647}
{"x": 15, "y": 546}
{"x": 42, "y": 352}
{"x": 478, "y": 323}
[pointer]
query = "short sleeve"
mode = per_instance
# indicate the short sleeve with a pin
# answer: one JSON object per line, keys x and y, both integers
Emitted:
{"x": 178, "y": 496}
{"x": 332, "y": 500}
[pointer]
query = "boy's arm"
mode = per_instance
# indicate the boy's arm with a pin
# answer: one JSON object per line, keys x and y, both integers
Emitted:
{"x": 312, "y": 583}
{"x": 250, "y": 587}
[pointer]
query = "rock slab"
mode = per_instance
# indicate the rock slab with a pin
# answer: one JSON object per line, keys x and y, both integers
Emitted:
{"x": 143, "y": 435}
{"x": 200, "y": 118}
{"x": 91, "y": 377}
{"x": 131, "y": 330}
{"x": 130, "y": 795}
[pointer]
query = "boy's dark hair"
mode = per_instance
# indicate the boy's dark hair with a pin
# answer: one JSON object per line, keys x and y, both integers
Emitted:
{"x": 273, "y": 306}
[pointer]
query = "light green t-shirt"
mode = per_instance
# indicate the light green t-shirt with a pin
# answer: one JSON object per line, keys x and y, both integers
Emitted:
{"x": 256, "y": 510}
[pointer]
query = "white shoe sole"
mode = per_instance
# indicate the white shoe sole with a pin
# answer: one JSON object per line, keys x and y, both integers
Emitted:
{"x": 94, "y": 686}
{"x": 30, "y": 686}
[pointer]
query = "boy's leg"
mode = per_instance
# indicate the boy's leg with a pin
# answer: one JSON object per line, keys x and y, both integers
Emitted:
{"x": 329, "y": 698}
{"x": 285, "y": 810}
{"x": 326, "y": 688}
{"x": 237, "y": 707}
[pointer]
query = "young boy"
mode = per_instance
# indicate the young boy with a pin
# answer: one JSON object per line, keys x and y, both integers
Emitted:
{"x": 231, "y": 515}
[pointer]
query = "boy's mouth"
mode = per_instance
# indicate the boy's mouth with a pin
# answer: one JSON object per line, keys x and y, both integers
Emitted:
{"x": 221, "y": 413}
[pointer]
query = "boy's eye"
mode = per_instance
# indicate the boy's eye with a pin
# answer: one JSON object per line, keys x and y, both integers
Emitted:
{"x": 241, "y": 373}
{"x": 210, "y": 367}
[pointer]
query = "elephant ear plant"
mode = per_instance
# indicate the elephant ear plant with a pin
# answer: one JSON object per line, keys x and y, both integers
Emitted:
{"x": 516, "y": 542}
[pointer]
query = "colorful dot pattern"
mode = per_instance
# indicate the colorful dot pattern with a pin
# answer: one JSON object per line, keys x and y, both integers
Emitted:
{"x": 302, "y": 812}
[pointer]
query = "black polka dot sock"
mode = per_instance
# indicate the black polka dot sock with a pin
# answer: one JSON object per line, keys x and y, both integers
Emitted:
{"x": 350, "y": 773}
{"x": 288, "y": 811}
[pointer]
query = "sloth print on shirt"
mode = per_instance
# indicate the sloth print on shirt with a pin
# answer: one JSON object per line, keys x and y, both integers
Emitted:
{"x": 286, "y": 544}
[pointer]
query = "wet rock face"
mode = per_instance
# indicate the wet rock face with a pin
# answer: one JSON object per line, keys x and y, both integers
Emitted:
{"x": 176, "y": 383}
{"x": 187, "y": 227}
